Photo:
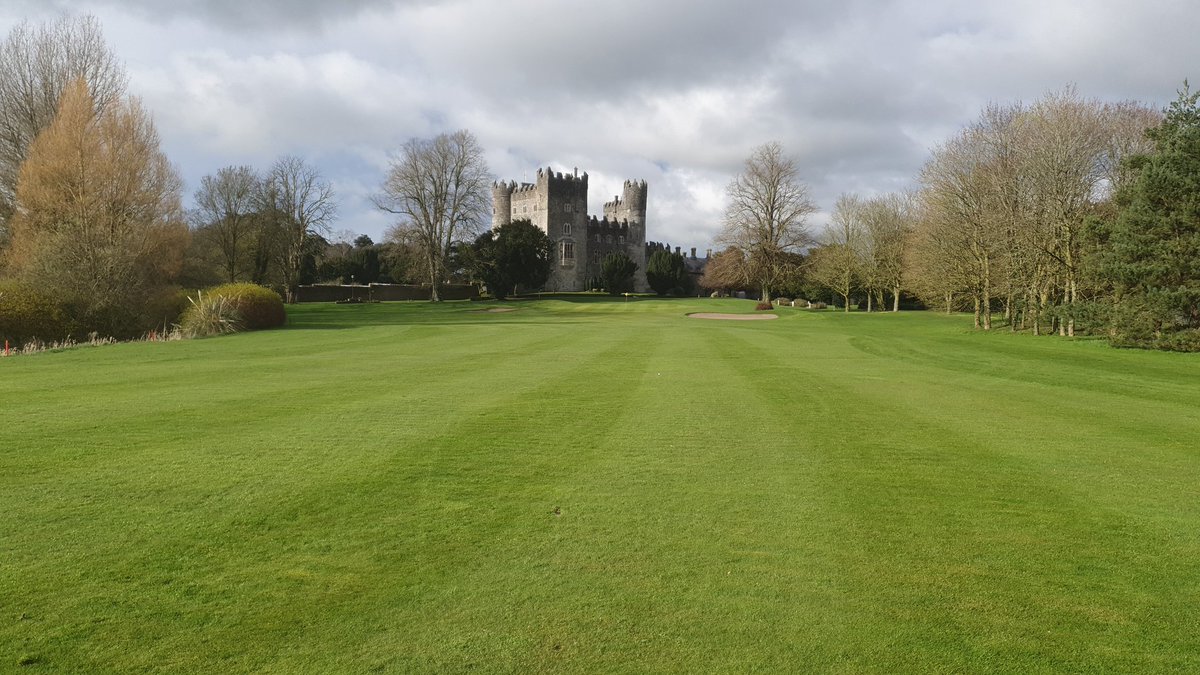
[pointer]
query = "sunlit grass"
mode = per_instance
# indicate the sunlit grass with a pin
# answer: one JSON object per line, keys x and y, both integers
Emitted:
{"x": 594, "y": 485}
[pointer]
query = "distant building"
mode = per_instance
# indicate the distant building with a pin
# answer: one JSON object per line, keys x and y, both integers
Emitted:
{"x": 558, "y": 205}
{"x": 695, "y": 266}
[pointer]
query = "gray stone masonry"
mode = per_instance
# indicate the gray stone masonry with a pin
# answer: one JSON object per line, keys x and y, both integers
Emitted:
{"x": 557, "y": 204}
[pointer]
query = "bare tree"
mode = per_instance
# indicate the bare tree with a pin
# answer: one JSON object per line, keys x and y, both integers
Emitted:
{"x": 726, "y": 271}
{"x": 298, "y": 203}
{"x": 37, "y": 64}
{"x": 1126, "y": 138}
{"x": 99, "y": 218}
{"x": 440, "y": 189}
{"x": 934, "y": 267}
{"x": 838, "y": 262}
{"x": 767, "y": 216}
{"x": 225, "y": 206}
{"x": 886, "y": 230}
{"x": 961, "y": 216}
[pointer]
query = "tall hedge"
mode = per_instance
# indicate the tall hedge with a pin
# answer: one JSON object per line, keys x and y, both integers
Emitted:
{"x": 27, "y": 313}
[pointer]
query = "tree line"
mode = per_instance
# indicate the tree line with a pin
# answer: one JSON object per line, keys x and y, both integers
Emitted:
{"x": 1069, "y": 216}
{"x": 92, "y": 224}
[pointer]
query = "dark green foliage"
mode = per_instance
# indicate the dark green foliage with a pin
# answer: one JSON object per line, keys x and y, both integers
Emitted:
{"x": 617, "y": 270}
{"x": 257, "y": 307}
{"x": 666, "y": 273}
{"x": 360, "y": 265}
{"x": 367, "y": 265}
{"x": 27, "y": 313}
{"x": 314, "y": 245}
{"x": 165, "y": 308}
{"x": 513, "y": 255}
{"x": 1151, "y": 253}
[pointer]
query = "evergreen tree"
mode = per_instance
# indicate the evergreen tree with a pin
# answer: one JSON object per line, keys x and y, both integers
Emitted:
{"x": 617, "y": 270}
{"x": 1152, "y": 251}
{"x": 512, "y": 255}
{"x": 666, "y": 272}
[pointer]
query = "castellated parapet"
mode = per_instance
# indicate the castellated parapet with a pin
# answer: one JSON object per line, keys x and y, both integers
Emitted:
{"x": 557, "y": 204}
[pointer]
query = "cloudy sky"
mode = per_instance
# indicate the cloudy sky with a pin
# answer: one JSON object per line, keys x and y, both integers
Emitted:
{"x": 676, "y": 92}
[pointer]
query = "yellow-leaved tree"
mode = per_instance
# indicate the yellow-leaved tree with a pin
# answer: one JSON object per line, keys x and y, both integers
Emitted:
{"x": 99, "y": 221}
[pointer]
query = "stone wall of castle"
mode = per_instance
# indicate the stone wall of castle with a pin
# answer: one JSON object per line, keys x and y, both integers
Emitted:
{"x": 557, "y": 204}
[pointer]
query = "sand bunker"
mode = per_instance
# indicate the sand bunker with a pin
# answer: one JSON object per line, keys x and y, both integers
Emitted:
{"x": 733, "y": 317}
{"x": 494, "y": 310}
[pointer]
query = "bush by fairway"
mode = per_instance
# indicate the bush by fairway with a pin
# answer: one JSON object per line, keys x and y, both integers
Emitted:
{"x": 592, "y": 485}
{"x": 257, "y": 307}
{"x": 27, "y": 313}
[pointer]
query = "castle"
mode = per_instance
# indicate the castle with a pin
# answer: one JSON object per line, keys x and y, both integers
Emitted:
{"x": 558, "y": 205}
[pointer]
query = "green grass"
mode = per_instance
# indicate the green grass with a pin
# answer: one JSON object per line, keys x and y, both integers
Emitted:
{"x": 585, "y": 485}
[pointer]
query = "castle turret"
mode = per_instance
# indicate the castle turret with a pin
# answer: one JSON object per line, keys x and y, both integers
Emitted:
{"x": 634, "y": 198}
{"x": 502, "y": 203}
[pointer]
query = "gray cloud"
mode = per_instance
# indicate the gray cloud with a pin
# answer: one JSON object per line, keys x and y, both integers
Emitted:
{"x": 675, "y": 92}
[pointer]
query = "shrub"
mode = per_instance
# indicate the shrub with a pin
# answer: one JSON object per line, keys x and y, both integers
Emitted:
{"x": 617, "y": 270}
{"x": 762, "y": 306}
{"x": 27, "y": 313}
{"x": 257, "y": 306}
{"x": 165, "y": 308}
{"x": 817, "y": 305}
{"x": 783, "y": 301}
{"x": 210, "y": 314}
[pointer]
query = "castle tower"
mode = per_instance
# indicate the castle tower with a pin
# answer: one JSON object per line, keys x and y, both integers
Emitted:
{"x": 557, "y": 204}
{"x": 630, "y": 207}
{"x": 502, "y": 203}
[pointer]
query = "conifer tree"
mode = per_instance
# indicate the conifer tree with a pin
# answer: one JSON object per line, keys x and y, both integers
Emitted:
{"x": 1152, "y": 251}
{"x": 99, "y": 221}
{"x": 666, "y": 271}
{"x": 617, "y": 270}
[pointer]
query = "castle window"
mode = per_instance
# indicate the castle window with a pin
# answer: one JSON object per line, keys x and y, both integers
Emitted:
{"x": 568, "y": 252}
{"x": 566, "y": 228}
{"x": 620, "y": 240}
{"x": 597, "y": 237}
{"x": 608, "y": 239}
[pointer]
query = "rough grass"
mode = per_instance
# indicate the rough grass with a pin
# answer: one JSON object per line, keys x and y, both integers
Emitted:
{"x": 600, "y": 485}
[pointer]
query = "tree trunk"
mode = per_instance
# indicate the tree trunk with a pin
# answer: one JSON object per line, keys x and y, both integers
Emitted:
{"x": 949, "y": 303}
{"x": 1071, "y": 290}
{"x": 869, "y": 302}
{"x": 987, "y": 294}
{"x": 434, "y": 295}
{"x": 977, "y": 322}
{"x": 896, "y": 299}
{"x": 845, "y": 302}
{"x": 1062, "y": 325}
